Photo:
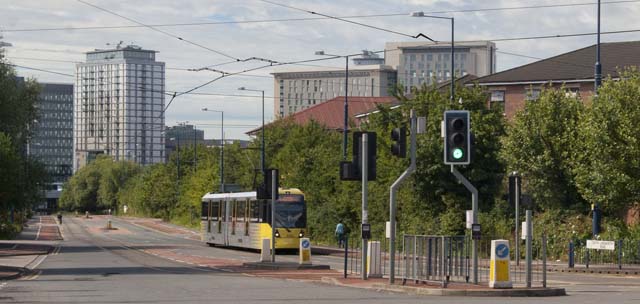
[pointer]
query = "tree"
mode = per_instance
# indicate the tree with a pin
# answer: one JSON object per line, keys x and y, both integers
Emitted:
{"x": 609, "y": 143}
{"x": 24, "y": 176}
{"x": 435, "y": 191}
{"x": 540, "y": 145}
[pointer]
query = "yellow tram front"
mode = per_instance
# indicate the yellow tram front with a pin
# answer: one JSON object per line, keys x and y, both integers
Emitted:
{"x": 241, "y": 220}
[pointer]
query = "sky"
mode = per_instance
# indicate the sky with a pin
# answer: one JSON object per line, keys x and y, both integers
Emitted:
{"x": 52, "y": 35}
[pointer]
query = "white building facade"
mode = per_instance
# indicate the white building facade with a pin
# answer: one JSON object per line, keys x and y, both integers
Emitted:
{"x": 418, "y": 63}
{"x": 299, "y": 90}
{"x": 118, "y": 107}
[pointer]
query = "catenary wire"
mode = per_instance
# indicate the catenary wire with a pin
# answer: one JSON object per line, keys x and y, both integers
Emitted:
{"x": 490, "y": 9}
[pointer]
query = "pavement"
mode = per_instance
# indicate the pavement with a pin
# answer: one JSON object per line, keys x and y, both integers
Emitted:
{"x": 19, "y": 257}
{"x": 137, "y": 263}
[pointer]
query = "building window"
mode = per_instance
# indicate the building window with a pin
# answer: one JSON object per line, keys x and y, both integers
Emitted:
{"x": 532, "y": 94}
{"x": 497, "y": 99}
{"x": 572, "y": 92}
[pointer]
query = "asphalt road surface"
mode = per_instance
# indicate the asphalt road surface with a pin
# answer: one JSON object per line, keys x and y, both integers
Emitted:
{"x": 94, "y": 266}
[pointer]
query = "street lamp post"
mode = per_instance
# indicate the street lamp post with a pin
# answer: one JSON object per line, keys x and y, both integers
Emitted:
{"x": 221, "y": 147}
{"x": 598, "y": 72}
{"x": 453, "y": 71}
{"x": 262, "y": 155}
{"x": 346, "y": 101}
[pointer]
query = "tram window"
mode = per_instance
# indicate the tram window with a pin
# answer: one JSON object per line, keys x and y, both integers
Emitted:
{"x": 240, "y": 210}
{"x": 205, "y": 211}
{"x": 254, "y": 211}
{"x": 215, "y": 206}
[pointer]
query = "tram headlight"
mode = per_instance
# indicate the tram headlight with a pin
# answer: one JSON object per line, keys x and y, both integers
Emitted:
{"x": 301, "y": 234}
{"x": 277, "y": 233}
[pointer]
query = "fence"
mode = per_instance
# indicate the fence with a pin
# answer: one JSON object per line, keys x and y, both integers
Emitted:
{"x": 445, "y": 259}
{"x": 626, "y": 254}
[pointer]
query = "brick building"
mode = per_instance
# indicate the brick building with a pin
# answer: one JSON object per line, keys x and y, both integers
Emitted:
{"x": 574, "y": 70}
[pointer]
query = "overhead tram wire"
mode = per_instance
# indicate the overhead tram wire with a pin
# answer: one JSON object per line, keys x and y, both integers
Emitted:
{"x": 349, "y": 21}
{"x": 158, "y": 30}
{"x": 178, "y": 37}
{"x": 40, "y": 70}
{"x": 491, "y": 9}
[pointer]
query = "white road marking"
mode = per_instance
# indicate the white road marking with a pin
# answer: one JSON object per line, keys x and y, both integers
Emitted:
{"x": 39, "y": 227}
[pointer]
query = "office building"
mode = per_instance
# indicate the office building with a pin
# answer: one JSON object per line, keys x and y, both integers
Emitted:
{"x": 182, "y": 136}
{"x": 425, "y": 62}
{"x": 51, "y": 141}
{"x": 299, "y": 90}
{"x": 118, "y": 107}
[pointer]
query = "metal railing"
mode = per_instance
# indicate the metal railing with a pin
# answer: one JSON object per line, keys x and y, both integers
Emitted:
{"x": 441, "y": 260}
{"x": 626, "y": 255}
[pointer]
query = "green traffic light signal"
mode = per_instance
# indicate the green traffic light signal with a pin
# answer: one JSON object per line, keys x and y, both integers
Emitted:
{"x": 458, "y": 153}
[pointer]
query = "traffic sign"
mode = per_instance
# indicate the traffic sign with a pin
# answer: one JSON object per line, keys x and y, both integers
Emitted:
{"x": 502, "y": 251}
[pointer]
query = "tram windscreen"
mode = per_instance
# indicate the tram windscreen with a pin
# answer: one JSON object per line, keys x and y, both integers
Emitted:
{"x": 291, "y": 211}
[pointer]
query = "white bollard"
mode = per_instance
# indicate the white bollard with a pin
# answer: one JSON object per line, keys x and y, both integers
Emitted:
{"x": 305, "y": 251}
{"x": 499, "y": 272}
{"x": 374, "y": 264}
{"x": 265, "y": 253}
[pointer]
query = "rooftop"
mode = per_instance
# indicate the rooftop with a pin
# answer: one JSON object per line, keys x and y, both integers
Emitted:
{"x": 574, "y": 65}
{"x": 330, "y": 112}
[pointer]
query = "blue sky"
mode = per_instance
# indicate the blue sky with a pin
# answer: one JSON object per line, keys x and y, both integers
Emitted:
{"x": 281, "y": 40}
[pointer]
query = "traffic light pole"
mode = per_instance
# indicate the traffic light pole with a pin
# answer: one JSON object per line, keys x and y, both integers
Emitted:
{"x": 274, "y": 193}
{"x": 365, "y": 192}
{"x": 392, "y": 199}
{"x": 474, "y": 207}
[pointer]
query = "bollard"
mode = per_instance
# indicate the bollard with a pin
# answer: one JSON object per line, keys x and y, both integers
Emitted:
{"x": 109, "y": 225}
{"x": 346, "y": 253}
{"x": 305, "y": 251}
{"x": 499, "y": 269}
{"x": 265, "y": 250}
{"x": 528, "y": 270}
{"x": 571, "y": 254}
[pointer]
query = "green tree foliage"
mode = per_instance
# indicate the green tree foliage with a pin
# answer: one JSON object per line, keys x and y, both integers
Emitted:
{"x": 608, "y": 143}
{"x": 564, "y": 151}
{"x": 97, "y": 185}
{"x": 540, "y": 145}
{"x": 22, "y": 177}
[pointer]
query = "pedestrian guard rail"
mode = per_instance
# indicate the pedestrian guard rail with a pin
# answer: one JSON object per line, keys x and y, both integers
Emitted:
{"x": 437, "y": 259}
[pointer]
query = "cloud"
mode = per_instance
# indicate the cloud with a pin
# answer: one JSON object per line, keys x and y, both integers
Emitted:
{"x": 282, "y": 41}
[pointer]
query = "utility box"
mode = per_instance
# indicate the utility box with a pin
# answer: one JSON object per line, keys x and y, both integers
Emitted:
{"x": 374, "y": 264}
{"x": 499, "y": 272}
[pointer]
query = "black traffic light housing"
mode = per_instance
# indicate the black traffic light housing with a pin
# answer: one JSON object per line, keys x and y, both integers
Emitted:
{"x": 399, "y": 137}
{"x": 352, "y": 170}
{"x": 371, "y": 154}
{"x": 457, "y": 138}
{"x": 264, "y": 189}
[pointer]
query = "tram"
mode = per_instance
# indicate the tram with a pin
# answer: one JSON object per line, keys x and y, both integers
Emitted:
{"x": 241, "y": 220}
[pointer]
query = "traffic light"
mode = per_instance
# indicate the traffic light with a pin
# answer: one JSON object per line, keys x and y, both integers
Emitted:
{"x": 399, "y": 147}
{"x": 457, "y": 140}
{"x": 371, "y": 154}
{"x": 264, "y": 189}
{"x": 597, "y": 217}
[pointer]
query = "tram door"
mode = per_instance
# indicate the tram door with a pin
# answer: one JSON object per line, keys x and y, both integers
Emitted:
{"x": 227, "y": 221}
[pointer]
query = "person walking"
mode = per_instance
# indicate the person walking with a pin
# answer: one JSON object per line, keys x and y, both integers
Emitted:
{"x": 340, "y": 234}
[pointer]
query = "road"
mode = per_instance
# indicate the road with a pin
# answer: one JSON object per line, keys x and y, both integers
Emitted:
{"x": 133, "y": 265}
